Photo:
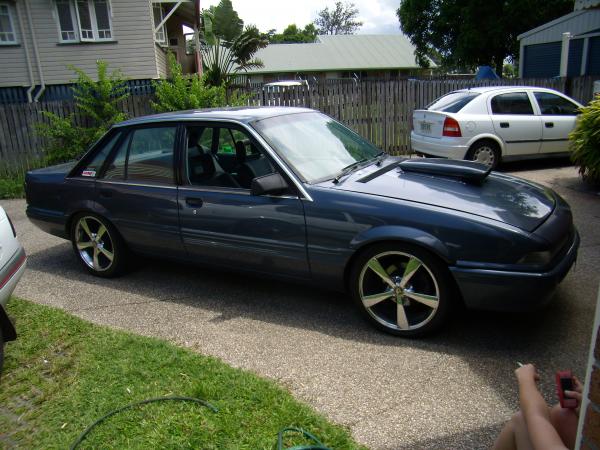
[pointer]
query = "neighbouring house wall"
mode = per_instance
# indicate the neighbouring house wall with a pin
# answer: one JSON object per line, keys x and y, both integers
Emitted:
{"x": 161, "y": 60}
{"x": 132, "y": 51}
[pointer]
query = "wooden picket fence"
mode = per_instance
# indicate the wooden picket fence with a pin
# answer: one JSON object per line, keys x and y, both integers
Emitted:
{"x": 380, "y": 111}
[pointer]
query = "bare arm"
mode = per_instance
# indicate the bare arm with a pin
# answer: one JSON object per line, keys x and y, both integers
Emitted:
{"x": 542, "y": 434}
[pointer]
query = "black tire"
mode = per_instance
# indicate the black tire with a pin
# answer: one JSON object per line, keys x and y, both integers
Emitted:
{"x": 485, "y": 152}
{"x": 430, "y": 282}
{"x": 95, "y": 246}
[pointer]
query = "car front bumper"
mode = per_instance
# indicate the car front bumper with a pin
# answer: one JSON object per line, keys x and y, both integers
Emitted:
{"x": 10, "y": 275}
{"x": 440, "y": 147}
{"x": 497, "y": 290}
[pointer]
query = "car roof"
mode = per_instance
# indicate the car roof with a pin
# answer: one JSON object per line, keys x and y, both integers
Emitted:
{"x": 484, "y": 89}
{"x": 239, "y": 113}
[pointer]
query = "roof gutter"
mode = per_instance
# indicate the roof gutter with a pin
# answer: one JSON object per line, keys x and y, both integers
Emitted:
{"x": 27, "y": 57}
{"x": 36, "y": 53}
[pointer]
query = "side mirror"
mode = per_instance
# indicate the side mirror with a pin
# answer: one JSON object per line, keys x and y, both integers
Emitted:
{"x": 272, "y": 183}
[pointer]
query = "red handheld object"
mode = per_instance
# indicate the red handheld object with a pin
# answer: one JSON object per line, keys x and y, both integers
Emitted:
{"x": 564, "y": 382}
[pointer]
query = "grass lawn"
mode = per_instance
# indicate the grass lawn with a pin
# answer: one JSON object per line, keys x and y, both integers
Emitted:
{"x": 63, "y": 373}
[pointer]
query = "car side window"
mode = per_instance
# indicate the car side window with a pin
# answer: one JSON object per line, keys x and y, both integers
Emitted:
{"x": 146, "y": 154}
{"x": 150, "y": 156}
{"x": 234, "y": 163}
{"x": 555, "y": 105}
{"x": 91, "y": 167}
{"x": 512, "y": 103}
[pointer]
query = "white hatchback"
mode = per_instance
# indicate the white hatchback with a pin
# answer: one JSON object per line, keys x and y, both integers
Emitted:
{"x": 12, "y": 266}
{"x": 493, "y": 124}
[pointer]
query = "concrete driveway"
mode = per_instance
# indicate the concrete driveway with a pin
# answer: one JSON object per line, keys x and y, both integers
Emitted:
{"x": 450, "y": 391}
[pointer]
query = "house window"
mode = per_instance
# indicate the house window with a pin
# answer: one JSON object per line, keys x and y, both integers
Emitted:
{"x": 7, "y": 29}
{"x": 84, "y": 20}
{"x": 66, "y": 20}
{"x": 94, "y": 20}
{"x": 160, "y": 35}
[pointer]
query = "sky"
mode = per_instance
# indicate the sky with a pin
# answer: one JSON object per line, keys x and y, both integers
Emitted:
{"x": 378, "y": 16}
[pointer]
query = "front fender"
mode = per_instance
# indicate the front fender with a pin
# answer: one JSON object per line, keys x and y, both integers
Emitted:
{"x": 401, "y": 234}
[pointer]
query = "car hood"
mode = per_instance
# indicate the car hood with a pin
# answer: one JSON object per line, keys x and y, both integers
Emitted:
{"x": 499, "y": 197}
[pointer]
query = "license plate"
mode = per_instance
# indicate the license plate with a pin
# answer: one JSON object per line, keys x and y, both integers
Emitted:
{"x": 426, "y": 127}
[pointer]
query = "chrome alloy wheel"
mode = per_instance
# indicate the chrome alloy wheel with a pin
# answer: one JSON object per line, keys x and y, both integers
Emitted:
{"x": 485, "y": 155}
{"x": 94, "y": 243}
{"x": 399, "y": 291}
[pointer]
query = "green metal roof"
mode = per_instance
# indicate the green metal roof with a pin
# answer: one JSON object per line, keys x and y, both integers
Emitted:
{"x": 340, "y": 52}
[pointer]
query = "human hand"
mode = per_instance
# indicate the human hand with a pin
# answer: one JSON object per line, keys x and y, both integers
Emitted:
{"x": 527, "y": 372}
{"x": 576, "y": 393}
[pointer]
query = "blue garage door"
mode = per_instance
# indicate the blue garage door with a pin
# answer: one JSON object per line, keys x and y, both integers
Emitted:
{"x": 542, "y": 60}
{"x": 593, "y": 65}
{"x": 575, "y": 55}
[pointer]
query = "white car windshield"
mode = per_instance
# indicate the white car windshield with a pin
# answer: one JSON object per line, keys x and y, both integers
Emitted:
{"x": 315, "y": 146}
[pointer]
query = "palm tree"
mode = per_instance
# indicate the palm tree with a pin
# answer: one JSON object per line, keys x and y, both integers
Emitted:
{"x": 226, "y": 56}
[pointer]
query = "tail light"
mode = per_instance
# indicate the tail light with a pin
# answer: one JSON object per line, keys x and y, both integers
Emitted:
{"x": 451, "y": 128}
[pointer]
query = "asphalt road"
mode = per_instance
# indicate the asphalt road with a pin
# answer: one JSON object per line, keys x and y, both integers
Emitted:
{"x": 450, "y": 391}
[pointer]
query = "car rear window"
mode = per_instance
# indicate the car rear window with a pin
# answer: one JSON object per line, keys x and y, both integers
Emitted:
{"x": 453, "y": 102}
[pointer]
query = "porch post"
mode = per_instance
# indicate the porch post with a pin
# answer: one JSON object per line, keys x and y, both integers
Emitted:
{"x": 197, "y": 52}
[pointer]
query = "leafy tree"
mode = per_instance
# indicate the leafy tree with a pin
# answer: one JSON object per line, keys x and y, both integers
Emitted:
{"x": 181, "y": 92}
{"x": 585, "y": 142}
{"x": 226, "y": 23}
{"x": 97, "y": 104}
{"x": 340, "y": 20}
{"x": 468, "y": 33}
{"x": 292, "y": 34}
{"x": 226, "y": 54}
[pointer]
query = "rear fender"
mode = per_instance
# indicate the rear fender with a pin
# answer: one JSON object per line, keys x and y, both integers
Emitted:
{"x": 490, "y": 137}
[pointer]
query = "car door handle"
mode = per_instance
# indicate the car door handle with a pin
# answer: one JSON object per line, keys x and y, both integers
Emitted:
{"x": 193, "y": 202}
{"x": 105, "y": 193}
{"x": 549, "y": 124}
{"x": 504, "y": 125}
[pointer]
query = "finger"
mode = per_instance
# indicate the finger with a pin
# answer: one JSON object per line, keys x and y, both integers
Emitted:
{"x": 578, "y": 384}
{"x": 573, "y": 394}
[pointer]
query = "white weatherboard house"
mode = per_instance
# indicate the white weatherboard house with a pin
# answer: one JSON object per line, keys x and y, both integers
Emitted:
{"x": 339, "y": 56}
{"x": 567, "y": 46}
{"x": 39, "y": 39}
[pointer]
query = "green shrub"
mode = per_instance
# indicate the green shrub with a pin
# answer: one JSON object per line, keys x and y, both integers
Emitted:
{"x": 97, "y": 105}
{"x": 180, "y": 92}
{"x": 585, "y": 142}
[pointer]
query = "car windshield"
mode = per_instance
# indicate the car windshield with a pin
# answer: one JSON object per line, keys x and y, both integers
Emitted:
{"x": 314, "y": 145}
{"x": 453, "y": 102}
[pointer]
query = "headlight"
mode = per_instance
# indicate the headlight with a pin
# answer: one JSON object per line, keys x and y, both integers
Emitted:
{"x": 536, "y": 258}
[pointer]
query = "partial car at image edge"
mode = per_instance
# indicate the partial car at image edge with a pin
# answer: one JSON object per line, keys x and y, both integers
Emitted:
{"x": 12, "y": 266}
{"x": 493, "y": 124}
{"x": 290, "y": 193}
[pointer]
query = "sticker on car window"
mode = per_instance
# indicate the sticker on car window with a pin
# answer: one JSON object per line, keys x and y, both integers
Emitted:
{"x": 88, "y": 173}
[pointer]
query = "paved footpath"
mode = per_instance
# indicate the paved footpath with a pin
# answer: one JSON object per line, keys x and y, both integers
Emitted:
{"x": 451, "y": 391}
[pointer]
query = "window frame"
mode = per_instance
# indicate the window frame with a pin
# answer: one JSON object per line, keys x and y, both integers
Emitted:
{"x": 186, "y": 183}
{"x": 126, "y": 137}
{"x": 555, "y": 94}
{"x": 74, "y": 19}
{"x": 532, "y": 104}
{"x": 94, "y": 21}
{"x": 11, "y": 21}
{"x": 163, "y": 29}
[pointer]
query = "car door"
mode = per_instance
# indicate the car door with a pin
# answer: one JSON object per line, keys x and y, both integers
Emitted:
{"x": 558, "y": 117}
{"x": 138, "y": 193}
{"x": 516, "y": 123}
{"x": 222, "y": 223}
